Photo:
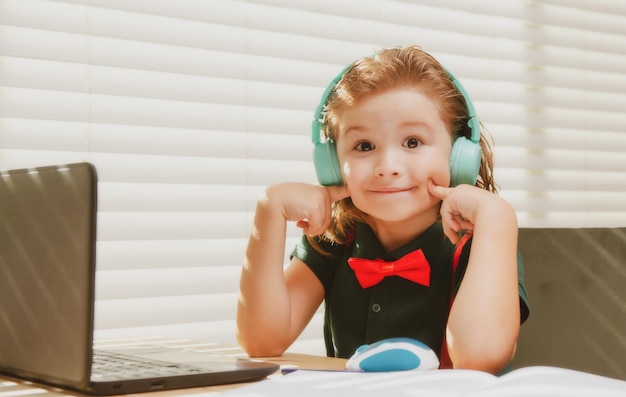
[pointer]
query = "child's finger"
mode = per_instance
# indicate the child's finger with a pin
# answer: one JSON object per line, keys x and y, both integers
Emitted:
{"x": 450, "y": 232}
{"x": 337, "y": 193}
{"x": 304, "y": 225}
{"x": 438, "y": 191}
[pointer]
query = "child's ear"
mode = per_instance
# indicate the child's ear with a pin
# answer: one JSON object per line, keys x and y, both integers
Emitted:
{"x": 464, "y": 162}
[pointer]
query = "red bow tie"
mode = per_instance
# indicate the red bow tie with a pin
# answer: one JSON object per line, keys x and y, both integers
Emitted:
{"x": 413, "y": 266}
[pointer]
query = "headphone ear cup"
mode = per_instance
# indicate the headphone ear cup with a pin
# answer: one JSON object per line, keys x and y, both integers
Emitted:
{"x": 464, "y": 162}
{"x": 327, "y": 163}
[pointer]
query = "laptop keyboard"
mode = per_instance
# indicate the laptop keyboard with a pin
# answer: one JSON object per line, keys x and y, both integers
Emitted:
{"x": 109, "y": 366}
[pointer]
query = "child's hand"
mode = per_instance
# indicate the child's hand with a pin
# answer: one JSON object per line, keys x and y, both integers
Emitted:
{"x": 461, "y": 206}
{"x": 310, "y": 206}
{"x": 484, "y": 319}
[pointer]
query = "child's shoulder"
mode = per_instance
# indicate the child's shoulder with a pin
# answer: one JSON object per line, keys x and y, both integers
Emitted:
{"x": 321, "y": 248}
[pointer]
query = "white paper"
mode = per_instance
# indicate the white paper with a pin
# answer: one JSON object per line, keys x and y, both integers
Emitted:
{"x": 526, "y": 382}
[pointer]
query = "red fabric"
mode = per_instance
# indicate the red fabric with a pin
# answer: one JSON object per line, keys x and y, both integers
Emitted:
{"x": 413, "y": 266}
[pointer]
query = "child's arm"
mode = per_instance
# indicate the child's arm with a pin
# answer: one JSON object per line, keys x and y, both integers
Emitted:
{"x": 275, "y": 305}
{"x": 484, "y": 319}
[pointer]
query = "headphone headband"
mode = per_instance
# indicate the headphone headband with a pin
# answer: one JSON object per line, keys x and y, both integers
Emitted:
{"x": 318, "y": 117}
{"x": 472, "y": 122}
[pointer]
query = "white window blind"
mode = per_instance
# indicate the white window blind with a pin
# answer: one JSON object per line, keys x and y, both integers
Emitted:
{"x": 189, "y": 108}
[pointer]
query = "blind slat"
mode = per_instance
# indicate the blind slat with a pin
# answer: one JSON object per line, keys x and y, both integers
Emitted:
{"x": 560, "y": 180}
{"x": 158, "y": 254}
{"x": 136, "y": 312}
{"x": 116, "y": 138}
{"x": 176, "y": 281}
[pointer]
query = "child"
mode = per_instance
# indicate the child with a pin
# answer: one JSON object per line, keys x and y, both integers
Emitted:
{"x": 399, "y": 130}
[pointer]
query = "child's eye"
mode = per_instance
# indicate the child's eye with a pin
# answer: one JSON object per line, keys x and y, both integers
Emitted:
{"x": 412, "y": 143}
{"x": 364, "y": 146}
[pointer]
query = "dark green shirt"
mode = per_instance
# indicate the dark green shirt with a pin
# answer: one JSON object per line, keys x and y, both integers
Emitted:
{"x": 395, "y": 306}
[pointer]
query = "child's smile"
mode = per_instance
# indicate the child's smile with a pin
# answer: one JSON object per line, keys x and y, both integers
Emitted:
{"x": 391, "y": 190}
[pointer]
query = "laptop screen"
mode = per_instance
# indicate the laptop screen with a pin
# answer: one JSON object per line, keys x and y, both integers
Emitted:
{"x": 47, "y": 270}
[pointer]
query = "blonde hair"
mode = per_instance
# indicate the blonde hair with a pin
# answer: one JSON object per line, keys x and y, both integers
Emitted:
{"x": 391, "y": 68}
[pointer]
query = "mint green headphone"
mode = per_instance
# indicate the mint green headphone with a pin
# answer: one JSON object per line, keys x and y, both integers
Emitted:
{"x": 464, "y": 158}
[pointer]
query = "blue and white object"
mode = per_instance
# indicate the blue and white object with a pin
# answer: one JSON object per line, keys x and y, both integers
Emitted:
{"x": 393, "y": 354}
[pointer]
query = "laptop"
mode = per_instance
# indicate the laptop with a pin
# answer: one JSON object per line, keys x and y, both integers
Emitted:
{"x": 47, "y": 293}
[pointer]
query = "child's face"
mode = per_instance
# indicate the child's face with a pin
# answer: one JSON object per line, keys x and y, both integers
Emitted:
{"x": 389, "y": 145}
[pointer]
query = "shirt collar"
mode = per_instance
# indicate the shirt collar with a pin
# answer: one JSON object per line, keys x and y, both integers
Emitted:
{"x": 432, "y": 242}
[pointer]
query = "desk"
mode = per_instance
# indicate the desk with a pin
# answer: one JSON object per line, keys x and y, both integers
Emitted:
{"x": 18, "y": 388}
{"x": 524, "y": 382}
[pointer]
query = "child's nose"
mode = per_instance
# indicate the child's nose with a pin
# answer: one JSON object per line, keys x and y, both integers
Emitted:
{"x": 387, "y": 164}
